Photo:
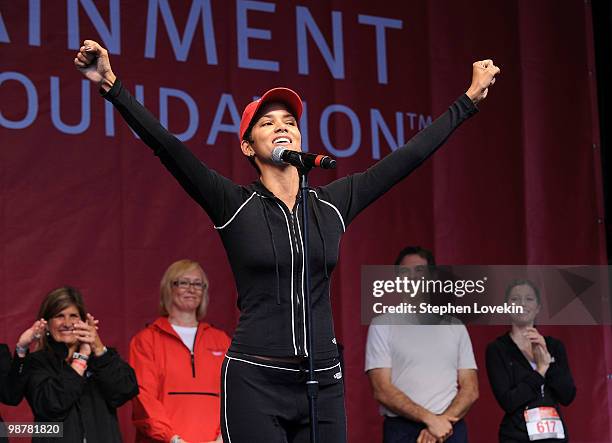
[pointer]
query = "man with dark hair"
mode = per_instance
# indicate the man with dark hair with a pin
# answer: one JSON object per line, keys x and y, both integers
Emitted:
{"x": 416, "y": 250}
{"x": 422, "y": 372}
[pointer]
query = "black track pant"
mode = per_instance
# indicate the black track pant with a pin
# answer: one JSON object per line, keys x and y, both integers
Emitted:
{"x": 266, "y": 401}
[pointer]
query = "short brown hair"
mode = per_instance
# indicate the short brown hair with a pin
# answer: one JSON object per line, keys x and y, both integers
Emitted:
{"x": 165, "y": 287}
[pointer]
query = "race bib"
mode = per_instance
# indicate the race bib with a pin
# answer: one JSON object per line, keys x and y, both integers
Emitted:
{"x": 543, "y": 422}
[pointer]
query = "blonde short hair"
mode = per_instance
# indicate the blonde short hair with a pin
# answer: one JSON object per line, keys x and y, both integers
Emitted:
{"x": 174, "y": 271}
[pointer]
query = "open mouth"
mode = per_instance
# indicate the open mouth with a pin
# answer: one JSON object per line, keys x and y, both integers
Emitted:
{"x": 281, "y": 141}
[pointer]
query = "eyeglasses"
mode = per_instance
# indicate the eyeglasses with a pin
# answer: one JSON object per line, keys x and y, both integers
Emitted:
{"x": 198, "y": 286}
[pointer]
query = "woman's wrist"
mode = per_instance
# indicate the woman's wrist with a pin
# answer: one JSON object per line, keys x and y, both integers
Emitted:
{"x": 21, "y": 350}
{"x": 542, "y": 369}
{"x": 99, "y": 350}
{"x": 86, "y": 352}
{"x": 79, "y": 365}
{"x": 107, "y": 81}
{"x": 473, "y": 94}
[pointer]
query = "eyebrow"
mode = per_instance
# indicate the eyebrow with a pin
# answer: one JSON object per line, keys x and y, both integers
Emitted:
{"x": 288, "y": 114}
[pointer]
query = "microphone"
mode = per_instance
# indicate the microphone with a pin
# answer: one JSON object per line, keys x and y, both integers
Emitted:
{"x": 302, "y": 159}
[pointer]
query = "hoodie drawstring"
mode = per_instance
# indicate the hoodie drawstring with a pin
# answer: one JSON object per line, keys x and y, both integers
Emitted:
{"x": 315, "y": 209}
{"x": 265, "y": 211}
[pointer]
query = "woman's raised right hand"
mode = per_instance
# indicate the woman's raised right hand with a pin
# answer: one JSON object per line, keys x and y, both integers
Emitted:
{"x": 32, "y": 335}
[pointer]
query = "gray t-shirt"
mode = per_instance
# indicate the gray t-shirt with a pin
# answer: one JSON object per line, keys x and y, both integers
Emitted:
{"x": 424, "y": 359}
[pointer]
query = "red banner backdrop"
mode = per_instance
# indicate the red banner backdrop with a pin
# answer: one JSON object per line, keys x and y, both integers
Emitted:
{"x": 83, "y": 202}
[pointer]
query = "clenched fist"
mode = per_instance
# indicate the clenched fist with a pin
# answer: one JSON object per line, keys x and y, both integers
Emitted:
{"x": 483, "y": 76}
{"x": 92, "y": 60}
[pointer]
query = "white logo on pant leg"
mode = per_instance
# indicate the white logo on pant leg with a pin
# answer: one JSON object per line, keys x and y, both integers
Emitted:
{"x": 338, "y": 375}
{"x": 334, "y": 340}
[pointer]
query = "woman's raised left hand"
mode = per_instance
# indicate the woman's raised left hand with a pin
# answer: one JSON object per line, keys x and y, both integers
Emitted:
{"x": 87, "y": 333}
{"x": 483, "y": 77}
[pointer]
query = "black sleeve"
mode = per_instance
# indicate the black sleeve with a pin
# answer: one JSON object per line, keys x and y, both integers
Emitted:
{"x": 114, "y": 377}
{"x": 5, "y": 368}
{"x": 355, "y": 192}
{"x": 5, "y": 359}
{"x": 559, "y": 377}
{"x": 51, "y": 394}
{"x": 12, "y": 377}
{"x": 510, "y": 394}
{"x": 208, "y": 188}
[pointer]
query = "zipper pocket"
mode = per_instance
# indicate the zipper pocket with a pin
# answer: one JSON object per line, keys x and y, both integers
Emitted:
{"x": 211, "y": 394}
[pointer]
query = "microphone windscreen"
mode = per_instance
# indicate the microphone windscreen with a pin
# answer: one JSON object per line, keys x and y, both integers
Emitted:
{"x": 277, "y": 154}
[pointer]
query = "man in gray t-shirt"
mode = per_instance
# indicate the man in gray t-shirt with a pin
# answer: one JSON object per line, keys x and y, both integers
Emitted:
{"x": 423, "y": 375}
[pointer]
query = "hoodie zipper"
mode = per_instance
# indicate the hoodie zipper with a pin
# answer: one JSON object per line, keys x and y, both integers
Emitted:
{"x": 302, "y": 285}
{"x": 295, "y": 239}
{"x": 297, "y": 284}
{"x": 297, "y": 314}
{"x": 192, "y": 355}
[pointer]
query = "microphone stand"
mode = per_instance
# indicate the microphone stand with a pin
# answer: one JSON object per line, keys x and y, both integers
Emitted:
{"x": 312, "y": 385}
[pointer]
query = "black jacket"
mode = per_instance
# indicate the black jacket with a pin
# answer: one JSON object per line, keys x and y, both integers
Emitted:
{"x": 86, "y": 404}
{"x": 263, "y": 238}
{"x": 517, "y": 386}
{"x": 12, "y": 377}
{"x": 12, "y": 380}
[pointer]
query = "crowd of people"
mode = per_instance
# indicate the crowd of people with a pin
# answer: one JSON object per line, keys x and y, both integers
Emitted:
{"x": 66, "y": 373}
{"x": 173, "y": 376}
{"x": 423, "y": 371}
{"x": 188, "y": 382}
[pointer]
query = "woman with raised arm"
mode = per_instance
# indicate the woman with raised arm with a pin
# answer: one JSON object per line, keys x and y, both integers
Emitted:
{"x": 263, "y": 377}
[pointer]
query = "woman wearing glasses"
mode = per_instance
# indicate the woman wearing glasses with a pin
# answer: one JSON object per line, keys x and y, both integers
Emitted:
{"x": 178, "y": 360}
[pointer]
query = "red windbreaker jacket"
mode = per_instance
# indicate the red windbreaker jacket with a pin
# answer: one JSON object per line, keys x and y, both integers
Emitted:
{"x": 179, "y": 390}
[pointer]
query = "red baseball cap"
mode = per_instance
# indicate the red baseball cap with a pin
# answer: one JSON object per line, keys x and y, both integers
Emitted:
{"x": 285, "y": 95}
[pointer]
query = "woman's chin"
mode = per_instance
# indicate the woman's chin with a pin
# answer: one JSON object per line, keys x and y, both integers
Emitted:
{"x": 522, "y": 320}
{"x": 61, "y": 338}
{"x": 189, "y": 308}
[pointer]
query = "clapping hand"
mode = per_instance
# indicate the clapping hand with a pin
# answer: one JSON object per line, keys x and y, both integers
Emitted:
{"x": 87, "y": 334}
{"x": 31, "y": 335}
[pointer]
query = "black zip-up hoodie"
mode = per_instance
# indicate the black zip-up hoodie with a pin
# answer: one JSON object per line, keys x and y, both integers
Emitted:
{"x": 264, "y": 239}
{"x": 85, "y": 404}
{"x": 517, "y": 386}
